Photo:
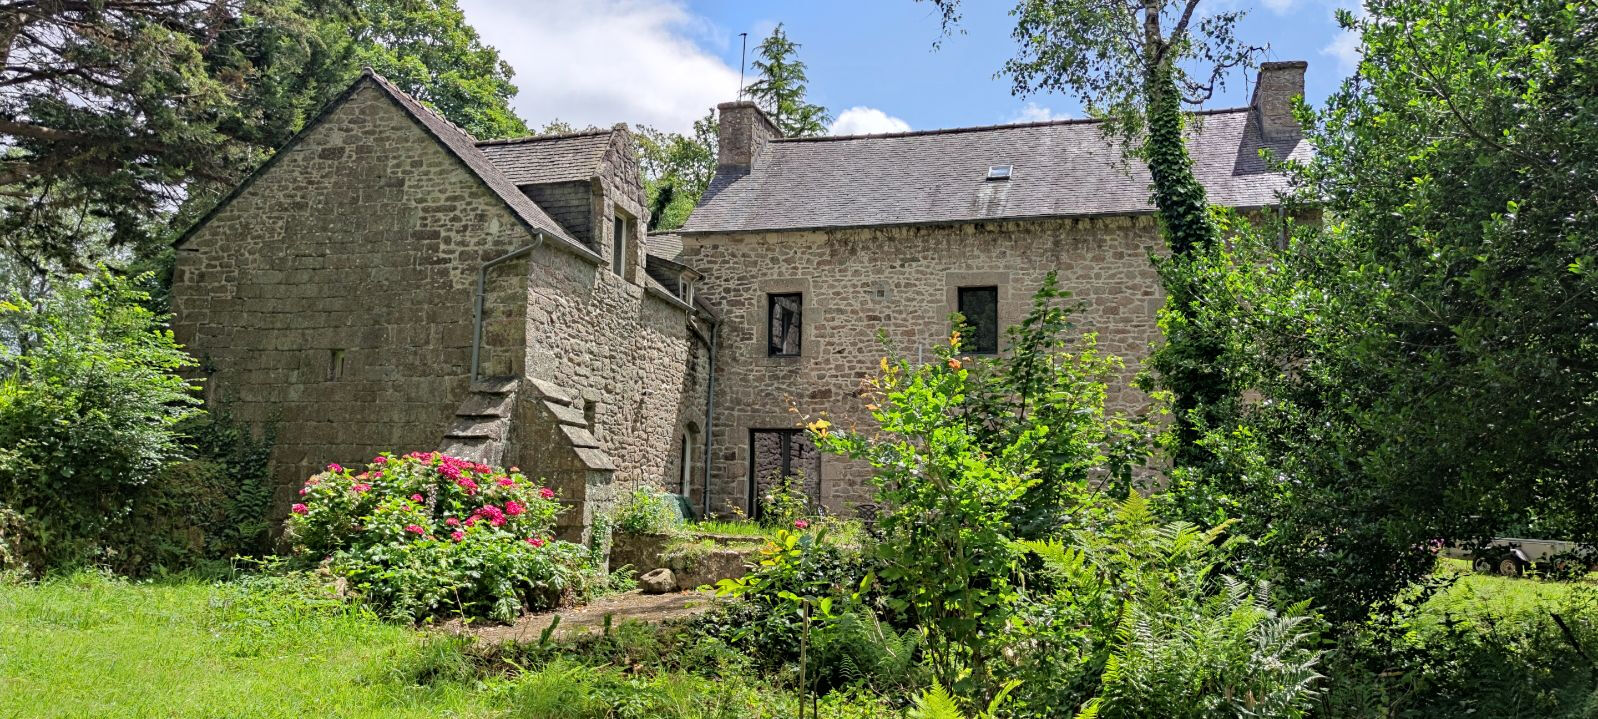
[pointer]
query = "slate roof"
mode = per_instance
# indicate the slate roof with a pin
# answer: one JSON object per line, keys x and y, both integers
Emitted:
{"x": 663, "y": 244}
{"x": 571, "y": 157}
{"x": 1061, "y": 169}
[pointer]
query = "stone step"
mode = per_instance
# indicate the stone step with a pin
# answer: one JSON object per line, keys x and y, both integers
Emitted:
{"x": 567, "y": 415}
{"x": 555, "y": 393}
{"x": 579, "y": 436}
{"x": 495, "y": 385}
{"x": 486, "y": 404}
{"x": 490, "y": 428}
{"x": 484, "y": 451}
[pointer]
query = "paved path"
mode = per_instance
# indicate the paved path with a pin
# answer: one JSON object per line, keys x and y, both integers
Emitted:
{"x": 590, "y": 618}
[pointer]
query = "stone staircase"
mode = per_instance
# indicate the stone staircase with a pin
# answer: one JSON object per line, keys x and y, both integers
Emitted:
{"x": 547, "y": 431}
{"x": 481, "y": 427}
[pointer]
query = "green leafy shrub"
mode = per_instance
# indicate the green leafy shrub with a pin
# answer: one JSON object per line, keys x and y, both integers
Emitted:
{"x": 210, "y": 507}
{"x": 785, "y": 502}
{"x": 89, "y": 409}
{"x": 1167, "y": 632}
{"x": 426, "y": 534}
{"x": 1472, "y": 655}
{"x": 646, "y": 511}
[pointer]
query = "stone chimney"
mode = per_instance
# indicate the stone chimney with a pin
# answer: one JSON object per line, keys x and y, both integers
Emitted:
{"x": 743, "y": 134}
{"x": 1272, "y": 106}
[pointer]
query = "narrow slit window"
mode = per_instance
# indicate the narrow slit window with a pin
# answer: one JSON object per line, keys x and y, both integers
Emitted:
{"x": 618, "y": 247}
{"x": 784, "y": 313}
{"x": 980, "y": 307}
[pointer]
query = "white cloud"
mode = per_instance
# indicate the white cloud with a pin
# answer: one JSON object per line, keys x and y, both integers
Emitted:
{"x": 1345, "y": 48}
{"x": 601, "y": 62}
{"x": 1034, "y": 112}
{"x": 866, "y": 121}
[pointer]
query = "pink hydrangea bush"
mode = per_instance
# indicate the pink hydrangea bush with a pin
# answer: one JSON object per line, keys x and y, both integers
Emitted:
{"x": 426, "y": 534}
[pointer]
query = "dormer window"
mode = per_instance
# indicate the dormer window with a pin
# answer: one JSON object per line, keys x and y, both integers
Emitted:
{"x": 999, "y": 172}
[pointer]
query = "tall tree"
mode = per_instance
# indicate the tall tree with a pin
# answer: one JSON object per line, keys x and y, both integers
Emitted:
{"x": 123, "y": 118}
{"x": 111, "y": 110}
{"x": 1425, "y": 361}
{"x": 428, "y": 50}
{"x": 779, "y": 88}
{"x": 1135, "y": 64}
{"x": 677, "y": 168}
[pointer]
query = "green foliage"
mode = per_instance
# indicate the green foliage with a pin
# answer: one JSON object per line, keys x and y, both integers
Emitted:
{"x": 1422, "y": 360}
{"x": 1055, "y": 379}
{"x": 779, "y": 87}
{"x": 427, "y": 534}
{"x": 676, "y": 168}
{"x": 261, "y": 646}
{"x": 89, "y": 412}
{"x": 427, "y": 49}
{"x": 1487, "y": 646}
{"x": 785, "y": 504}
{"x": 1170, "y": 636}
{"x": 1134, "y": 66}
{"x": 210, "y": 507}
{"x": 646, "y": 510}
{"x": 126, "y": 119}
{"x": 119, "y": 110}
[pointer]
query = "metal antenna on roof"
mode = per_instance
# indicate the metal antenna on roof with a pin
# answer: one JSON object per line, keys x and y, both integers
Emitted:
{"x": 742, "y": 56}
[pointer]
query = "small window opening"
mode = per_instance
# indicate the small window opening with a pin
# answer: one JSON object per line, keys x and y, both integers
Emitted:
{"x": 785, "y": 322}
{"x": 618, "y": 248}
{"x": 980, "y": 307}
{"x": 999, "y": 172}
{"x": 335, "y": 365}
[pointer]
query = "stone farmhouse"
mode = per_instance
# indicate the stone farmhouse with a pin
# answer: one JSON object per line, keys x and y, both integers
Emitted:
{"x": 387, "y": 282}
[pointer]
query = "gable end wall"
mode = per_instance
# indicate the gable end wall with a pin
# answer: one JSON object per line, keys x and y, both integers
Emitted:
{"x": 361, "y": 244}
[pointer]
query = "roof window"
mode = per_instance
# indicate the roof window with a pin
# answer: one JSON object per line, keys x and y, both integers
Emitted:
{"x": 999, "y": 172}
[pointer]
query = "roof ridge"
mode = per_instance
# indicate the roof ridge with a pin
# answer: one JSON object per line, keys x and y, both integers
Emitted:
{"x": 554, "y": 136}
{"x": 981, "y": 128}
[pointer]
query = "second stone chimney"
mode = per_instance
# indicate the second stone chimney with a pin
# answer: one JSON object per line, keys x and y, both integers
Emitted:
{"x": 1279, "y": 83}
{"x": 744, "y": 131}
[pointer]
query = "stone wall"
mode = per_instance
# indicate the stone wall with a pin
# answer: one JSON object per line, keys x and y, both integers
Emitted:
{"x": 901, "y": 281}
{"x": 627, "y": 350}
{"x": 332, "y": 299}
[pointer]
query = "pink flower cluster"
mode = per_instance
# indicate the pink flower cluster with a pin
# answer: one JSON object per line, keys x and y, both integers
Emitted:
{"x": 513, "y": 509}
{"x": 299, "y": 508}
{"x": 415, "y": 529}
{"x": 535, "y": 541}
{"x": 493, "y": 514}
{"x": 546, "y": 493}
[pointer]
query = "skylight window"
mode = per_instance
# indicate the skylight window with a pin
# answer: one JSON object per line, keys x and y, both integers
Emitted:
{"x": 999, "y": 172}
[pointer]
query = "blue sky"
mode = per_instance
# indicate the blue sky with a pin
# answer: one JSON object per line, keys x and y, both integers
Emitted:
{"x": 871, "y": 62}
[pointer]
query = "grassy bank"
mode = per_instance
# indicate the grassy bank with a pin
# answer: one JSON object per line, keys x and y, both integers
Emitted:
{"x": 93, "y": 646}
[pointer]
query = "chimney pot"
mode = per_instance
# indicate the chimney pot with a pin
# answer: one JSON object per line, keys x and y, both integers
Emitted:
{"x": 743, "y": 133}
{"x": 1279, "y": 83}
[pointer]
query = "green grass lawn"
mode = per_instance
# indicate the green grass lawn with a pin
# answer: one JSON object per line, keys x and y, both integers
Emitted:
{"x": 90, "y": 646}
{"x": 93, "y": 646}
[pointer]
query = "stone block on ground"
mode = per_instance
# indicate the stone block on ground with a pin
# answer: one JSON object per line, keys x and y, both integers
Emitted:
{"x": 658, "y": 581}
